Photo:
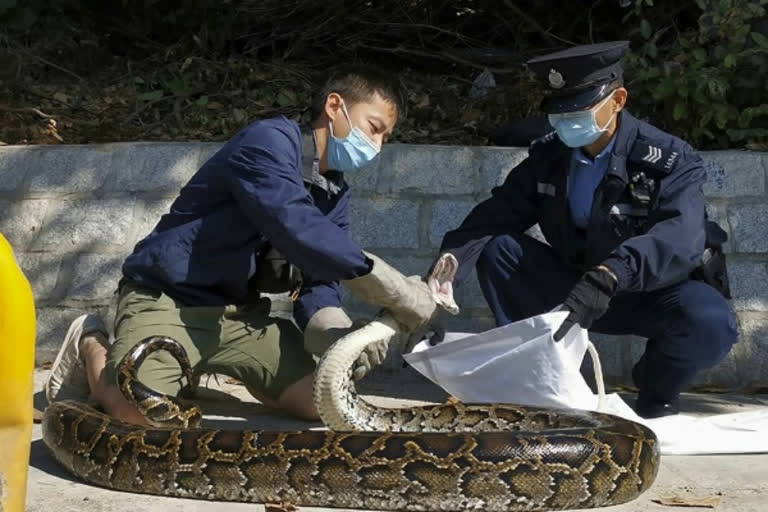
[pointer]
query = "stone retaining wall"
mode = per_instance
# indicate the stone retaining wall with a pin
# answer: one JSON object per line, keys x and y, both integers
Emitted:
{"x": 73, "y": 213}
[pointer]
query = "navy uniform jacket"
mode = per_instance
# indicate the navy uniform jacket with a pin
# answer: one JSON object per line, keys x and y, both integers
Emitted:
{"x": 251, "y": 192}
{"x": 652, "y": 235}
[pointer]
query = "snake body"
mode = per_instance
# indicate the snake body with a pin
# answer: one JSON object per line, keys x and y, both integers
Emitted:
{"x": 449, "y": 457}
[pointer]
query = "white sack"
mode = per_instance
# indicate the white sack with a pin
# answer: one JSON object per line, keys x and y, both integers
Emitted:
{"x": 521, "y": 363}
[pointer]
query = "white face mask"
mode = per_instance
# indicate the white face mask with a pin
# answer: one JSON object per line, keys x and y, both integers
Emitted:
{"x": 579, "y": 129}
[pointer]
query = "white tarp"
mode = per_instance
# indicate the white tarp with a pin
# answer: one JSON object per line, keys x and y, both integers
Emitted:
{"x": 520, "y": 363}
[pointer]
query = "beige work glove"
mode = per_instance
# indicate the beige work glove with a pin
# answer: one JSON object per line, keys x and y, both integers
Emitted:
{"x": 408, "y": 299}
{"x": 329, "y": 325}
{"x": 440, "y": 282}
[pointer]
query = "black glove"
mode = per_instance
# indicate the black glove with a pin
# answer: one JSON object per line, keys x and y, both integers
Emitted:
{"x": 588, "y": 299}
{"x": 434, "y": 331}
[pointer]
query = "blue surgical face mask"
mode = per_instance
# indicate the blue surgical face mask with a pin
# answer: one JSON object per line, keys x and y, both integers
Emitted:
{"x": 579, "y": 129}
{"x": 353, "y": 152}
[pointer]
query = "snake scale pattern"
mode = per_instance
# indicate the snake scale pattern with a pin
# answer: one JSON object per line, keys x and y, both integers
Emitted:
{"x": 448, "y": 457}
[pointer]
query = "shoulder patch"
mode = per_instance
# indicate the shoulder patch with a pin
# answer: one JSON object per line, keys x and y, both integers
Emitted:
{"x": 546, "y": 138}
{"x": 658, "y": 157}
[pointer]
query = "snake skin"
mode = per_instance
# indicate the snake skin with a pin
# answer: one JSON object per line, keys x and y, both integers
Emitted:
{"x": 447, "y": 457}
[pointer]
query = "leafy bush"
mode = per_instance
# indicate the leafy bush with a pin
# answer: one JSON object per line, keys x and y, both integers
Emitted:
{"x": 20, "y": 15}
{"x": 699, "y": 68}
{"x": 709, "y": 84}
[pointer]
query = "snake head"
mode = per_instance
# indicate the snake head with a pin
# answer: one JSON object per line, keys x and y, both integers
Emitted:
{"x": 440, "y": 282}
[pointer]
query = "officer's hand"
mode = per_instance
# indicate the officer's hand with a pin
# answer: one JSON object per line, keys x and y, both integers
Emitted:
{"x": 434, "y": 332}
{"x": 588, "y": 300}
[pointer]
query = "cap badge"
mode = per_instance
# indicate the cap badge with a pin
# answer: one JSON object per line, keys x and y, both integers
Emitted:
{"x": 556, "y": 79}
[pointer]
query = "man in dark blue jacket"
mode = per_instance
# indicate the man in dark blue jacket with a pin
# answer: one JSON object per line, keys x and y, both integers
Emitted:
{"x": 630, "y": 249}
{"x": 267, "y": 213}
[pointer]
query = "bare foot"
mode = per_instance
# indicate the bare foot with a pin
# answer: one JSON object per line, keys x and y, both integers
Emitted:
{"x": 93, "y": 350}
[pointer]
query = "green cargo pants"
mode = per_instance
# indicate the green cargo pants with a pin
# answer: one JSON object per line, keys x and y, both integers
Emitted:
{"x": 244, "y": 342}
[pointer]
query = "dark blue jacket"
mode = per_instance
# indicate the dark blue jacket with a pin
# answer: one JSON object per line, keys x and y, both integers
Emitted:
{"x": 652, "y": 235}
{"x": 251, "y": 192}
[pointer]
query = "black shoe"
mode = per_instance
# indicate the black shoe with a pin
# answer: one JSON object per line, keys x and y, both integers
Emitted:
{"x": 648, "y": 408}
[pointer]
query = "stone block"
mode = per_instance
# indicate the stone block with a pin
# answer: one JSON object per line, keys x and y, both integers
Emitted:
{"x": 470, "y": 321}
{"x": 147, "y": 217}
{"x": 724, "y": 375}
{"x": 42, "y": 271}
{"x": 447, "y": 215}
{"x": 469, "y": 294}
{"x": 72, "y": 169}
{"x": 495, "y": 165}
{"x": 719, "y": 213}
{"x": 207, "y": 150}
{"x": 81, "y": 225}
{"x": 734, "y": 173}
{"x": 15, "y": 163}
{"x": 747, "y": 361}
{"x": 423, "y": 169}
{"x": 617, "y": 357}
{"x": 410, "y": 265}
{"x": 482, "y": 323}
{"x": 749, "y": 282}
{"x": 751, "y": 351}
{"x": 161, "y": 168}
{"x": 52, "y": 325}
{"x": 95, "y": 277}
{"x": 356, "y": 307}
{"x": 385, "y": 223}
{"x": 749, "y": 227}
{"x": 21, "y": 222}
{"x": 367, "y": 179}
{"x": 613, "y": 359}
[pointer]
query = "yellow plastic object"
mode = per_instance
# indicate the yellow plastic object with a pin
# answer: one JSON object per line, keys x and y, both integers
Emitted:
{"x": 17, "y": 360}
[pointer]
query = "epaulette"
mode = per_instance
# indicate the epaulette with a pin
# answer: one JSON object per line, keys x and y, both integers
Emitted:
{"x": 654, "y": 155}
{"x": 546, "y": 138}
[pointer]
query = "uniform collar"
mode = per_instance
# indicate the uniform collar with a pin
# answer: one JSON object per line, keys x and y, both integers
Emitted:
{"x": 624, "y": 139}
{"x": 331, "y": 181}
{"x": 584, "y": 159}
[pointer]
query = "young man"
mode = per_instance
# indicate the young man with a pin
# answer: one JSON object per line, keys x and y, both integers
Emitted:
{"x": 267, "y": 213}
{"x": 630, "y": 250}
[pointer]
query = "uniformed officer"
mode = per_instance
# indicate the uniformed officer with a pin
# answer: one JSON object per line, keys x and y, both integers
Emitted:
{"x": 620, "y": 203}
{"x": 267, "y": 213}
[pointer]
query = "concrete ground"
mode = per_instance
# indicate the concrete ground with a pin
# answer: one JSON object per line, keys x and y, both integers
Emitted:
{"x": 738, "y": 483}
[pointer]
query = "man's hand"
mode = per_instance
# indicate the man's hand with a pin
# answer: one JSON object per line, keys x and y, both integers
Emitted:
{"x": 440, "y": 282}
{"x": 326, "y": 327}
{"x": 373, "y": 355}
{"x": 408, "y": 299}
{"x": 589, "y": 299}
{"x": 329, "y": 325}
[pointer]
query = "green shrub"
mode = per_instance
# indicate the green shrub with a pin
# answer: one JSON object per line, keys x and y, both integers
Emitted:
{"x": 710, "y": 85}
{"x": 699, "y": 68}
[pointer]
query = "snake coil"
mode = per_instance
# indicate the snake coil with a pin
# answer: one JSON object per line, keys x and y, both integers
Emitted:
{"x": 448, "y": 457}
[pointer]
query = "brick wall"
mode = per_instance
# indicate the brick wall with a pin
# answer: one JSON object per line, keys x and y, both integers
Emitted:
{"x": 74, "y": 212}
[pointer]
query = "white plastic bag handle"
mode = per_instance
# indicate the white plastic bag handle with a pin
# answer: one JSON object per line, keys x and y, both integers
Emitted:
{"x": 598, "y": 376}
